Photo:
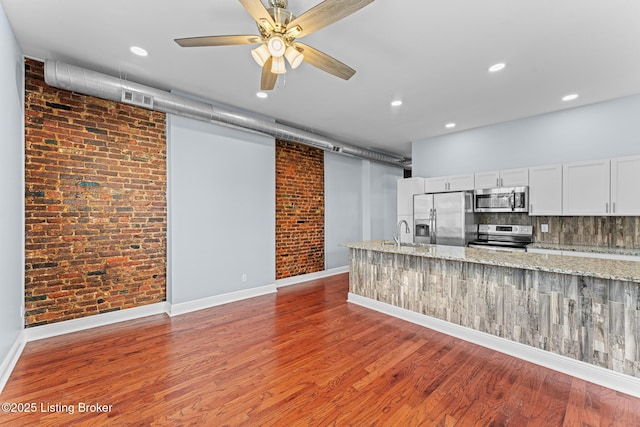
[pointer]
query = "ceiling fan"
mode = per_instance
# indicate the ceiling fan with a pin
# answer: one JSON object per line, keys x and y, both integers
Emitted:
{"x": 279, "y": 29}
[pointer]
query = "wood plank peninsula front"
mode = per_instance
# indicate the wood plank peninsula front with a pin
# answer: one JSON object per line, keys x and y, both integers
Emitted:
{"x": 586, "y": 309}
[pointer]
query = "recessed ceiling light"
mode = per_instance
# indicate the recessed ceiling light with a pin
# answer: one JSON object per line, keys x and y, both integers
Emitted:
{"x": 497, "y": 67}
{"x": 396, "y": 103}
{"x": 138, "y": 51}
{"x": 450, "y": 125}
{"x": 570, "y": 97}
{"x": 262, "y": 94}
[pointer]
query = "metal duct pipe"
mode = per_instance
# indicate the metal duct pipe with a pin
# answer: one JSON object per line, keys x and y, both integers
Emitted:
{"x": 72, "y": 78}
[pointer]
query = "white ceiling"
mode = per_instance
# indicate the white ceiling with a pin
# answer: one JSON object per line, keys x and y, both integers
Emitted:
{"x": 433, "y": 55}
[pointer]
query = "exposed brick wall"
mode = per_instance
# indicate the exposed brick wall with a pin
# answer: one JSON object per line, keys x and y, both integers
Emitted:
{"x": 95, "y": 204}
{"x": 299, "y": 209}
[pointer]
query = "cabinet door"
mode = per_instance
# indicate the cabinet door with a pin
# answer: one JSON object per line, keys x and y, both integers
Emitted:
{"x": 435, "y": 185}
{"x": 545, "y": 190}
{"x": 406, "y": 189}
{"x": 625, "y": 177}
{"x": 514, "y": 177}
{"x": 461, "y": 182}
{"x": 487, "y": 179}
{"x": 585, "y": 188}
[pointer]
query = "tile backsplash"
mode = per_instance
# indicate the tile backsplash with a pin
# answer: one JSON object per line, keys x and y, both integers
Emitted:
{"x": 607, "y": 231}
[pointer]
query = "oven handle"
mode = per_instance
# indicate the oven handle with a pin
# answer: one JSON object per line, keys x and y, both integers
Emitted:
{"x": 497, "y": 248}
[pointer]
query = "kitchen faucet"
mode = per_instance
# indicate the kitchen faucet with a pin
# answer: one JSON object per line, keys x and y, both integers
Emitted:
{"x": 407, "y": 230}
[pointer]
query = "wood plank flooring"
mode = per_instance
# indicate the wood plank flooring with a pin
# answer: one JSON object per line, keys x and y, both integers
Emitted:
{"x": 301, "y": 357}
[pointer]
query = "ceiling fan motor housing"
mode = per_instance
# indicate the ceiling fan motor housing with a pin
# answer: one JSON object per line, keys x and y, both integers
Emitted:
{"x": 279, "y": 3}
{"x": 281, "y": 16}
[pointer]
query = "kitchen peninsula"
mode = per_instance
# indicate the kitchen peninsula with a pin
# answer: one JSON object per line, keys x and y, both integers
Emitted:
{"x": 585, "y": 309}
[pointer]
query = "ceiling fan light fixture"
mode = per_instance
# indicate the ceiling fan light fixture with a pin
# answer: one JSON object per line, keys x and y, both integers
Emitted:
{"x": 276, "y": 46}
{"x": 277, "y": 66}
{"x": 261, "y": 54}
{"x": 294, "y": 57}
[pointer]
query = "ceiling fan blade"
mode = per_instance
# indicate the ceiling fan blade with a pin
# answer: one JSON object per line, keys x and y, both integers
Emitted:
{"x": 268, "y": 80}
{"x": 259, "y": 13}
{"x": 218, "y": 40}
{"x": 325, "y": 13}
{"x": 325, "y": 62}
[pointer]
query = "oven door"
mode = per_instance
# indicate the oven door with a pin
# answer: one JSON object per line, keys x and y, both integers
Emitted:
{"x": 503, "y": 199}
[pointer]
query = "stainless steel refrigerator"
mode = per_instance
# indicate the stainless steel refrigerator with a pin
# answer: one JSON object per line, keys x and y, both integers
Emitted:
{"x": 444, "y": 218}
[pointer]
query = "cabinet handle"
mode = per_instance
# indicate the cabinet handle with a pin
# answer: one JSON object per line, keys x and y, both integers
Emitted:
{"x": 606, "y": 207}
{"x": 614, "y": 207}
{"x": 531, "y": 208}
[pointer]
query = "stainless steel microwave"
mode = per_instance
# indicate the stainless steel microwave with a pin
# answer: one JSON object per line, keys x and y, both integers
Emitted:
{"x": 502, "y": 199}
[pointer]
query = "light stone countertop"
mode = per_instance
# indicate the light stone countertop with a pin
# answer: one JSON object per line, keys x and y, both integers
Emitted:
{"x": 590, "y": 249}
{"x": 592, "y": 267}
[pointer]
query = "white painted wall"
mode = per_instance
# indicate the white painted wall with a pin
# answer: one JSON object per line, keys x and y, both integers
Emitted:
{"x": 221, "y": 210}
{"x": 384, "y": 200}
{"x": 360, "y": 204}
{"x": 11, "y": 188}
{"x": 343, "y": 207}
{"x": 602, "y": 130}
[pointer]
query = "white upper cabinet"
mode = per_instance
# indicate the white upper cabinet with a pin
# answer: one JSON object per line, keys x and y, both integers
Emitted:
{"x": 504, "y": 178}
{"x": 461, "y": 182}
{"x": 585, "y": 188}
{"x": 449, "y": 183}
{"x": 545, "y": 190}
{"x": 605, "y": 187}
{"x": 406, "y": 189}
{"x": 435, "y": 185}
{"x": 487, "y": 179}
{"x": 514, "y": 177}
{"x": 625, "y": 179}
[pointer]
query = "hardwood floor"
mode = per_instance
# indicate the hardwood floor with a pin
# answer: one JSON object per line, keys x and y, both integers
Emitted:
{"x": 302, "y": 357}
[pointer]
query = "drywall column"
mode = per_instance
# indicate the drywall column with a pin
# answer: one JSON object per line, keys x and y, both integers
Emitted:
{"x": 221, "y": 210}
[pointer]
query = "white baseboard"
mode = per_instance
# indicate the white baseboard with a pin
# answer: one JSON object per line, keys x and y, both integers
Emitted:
{"x": 9, "y": 362}
{"x": 201, "y": 304}
{"x": 311, "y": 276}
{"x": 585, "y": 371}
{"x": 75, "y": 325}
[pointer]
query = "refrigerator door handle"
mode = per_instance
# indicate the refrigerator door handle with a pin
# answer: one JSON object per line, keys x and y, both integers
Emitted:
{"x": 434, "y": 233}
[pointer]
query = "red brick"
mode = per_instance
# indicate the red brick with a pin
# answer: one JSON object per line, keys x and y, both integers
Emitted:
{"x": 74, "y": 228}
{"x": 299, "y": 197}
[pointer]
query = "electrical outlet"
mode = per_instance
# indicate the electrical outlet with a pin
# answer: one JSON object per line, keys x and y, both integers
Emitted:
{"x": 22, "y": 312}
{"x": 244, "y": 277}
{"x": 544, "y": 228}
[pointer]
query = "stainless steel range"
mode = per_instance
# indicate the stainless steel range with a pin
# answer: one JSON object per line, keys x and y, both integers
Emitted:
{"x": 503, "y": 237}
